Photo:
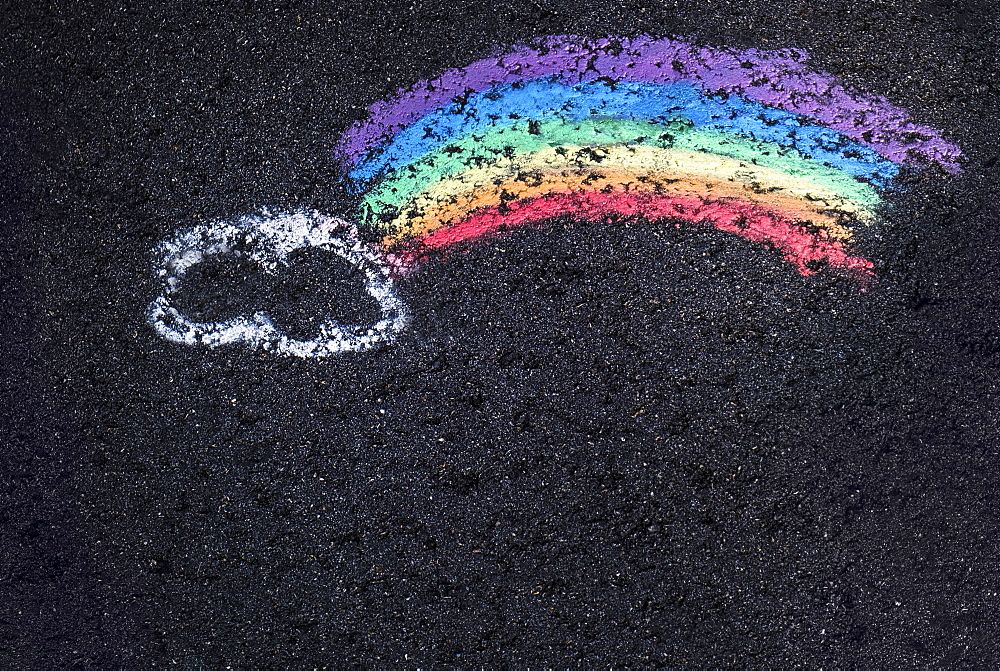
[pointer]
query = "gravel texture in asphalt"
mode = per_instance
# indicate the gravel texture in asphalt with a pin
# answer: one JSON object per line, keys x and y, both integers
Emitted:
{"x": 598, "y": 442}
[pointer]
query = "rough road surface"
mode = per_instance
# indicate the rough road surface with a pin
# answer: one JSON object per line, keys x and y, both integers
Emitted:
{"x": 598, "y": 442}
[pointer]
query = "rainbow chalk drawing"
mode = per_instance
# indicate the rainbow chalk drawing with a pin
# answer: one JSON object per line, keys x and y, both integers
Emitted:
{"x": 751, "y": 142}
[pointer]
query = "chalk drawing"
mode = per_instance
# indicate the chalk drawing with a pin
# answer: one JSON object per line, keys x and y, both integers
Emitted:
{"x": 751, "y": 142}
{"x": 268, "y": 240}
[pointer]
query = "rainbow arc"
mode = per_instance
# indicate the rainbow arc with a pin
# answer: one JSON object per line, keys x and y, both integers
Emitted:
{"x": 750, "y": 142}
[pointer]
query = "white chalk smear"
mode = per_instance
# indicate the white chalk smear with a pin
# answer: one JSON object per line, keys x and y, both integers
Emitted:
{"x": 268, "y": 240}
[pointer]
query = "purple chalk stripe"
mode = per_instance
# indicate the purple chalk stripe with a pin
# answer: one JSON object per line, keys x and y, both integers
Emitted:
{"x": 775, "y": 78}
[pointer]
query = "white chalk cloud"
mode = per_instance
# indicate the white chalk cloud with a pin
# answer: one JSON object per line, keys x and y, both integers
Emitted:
{"x": 268, "y": 239}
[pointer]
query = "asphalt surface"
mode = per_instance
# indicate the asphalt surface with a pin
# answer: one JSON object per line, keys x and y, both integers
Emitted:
{"x": 595, "y": 447}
